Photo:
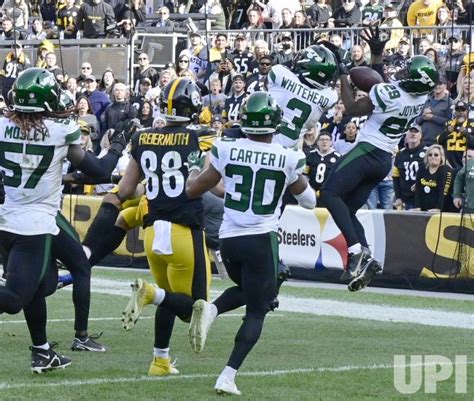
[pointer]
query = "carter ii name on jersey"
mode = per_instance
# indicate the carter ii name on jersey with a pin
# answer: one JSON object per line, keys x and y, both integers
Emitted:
{"x": 256, "y": 157}
{"x": 306, "y": 93}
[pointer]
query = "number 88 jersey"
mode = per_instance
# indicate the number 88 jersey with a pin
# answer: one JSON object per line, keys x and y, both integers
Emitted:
{"x": 161, "y": 155}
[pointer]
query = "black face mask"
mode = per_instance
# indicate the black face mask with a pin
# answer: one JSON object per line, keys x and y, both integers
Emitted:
{"x": 286, "y": 46}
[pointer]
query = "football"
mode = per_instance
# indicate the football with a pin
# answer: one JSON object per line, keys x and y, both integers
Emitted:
{"x": 364, "y": 78}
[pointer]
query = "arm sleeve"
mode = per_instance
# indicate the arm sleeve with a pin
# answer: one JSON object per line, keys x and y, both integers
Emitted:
{"x": 98, "y": 168}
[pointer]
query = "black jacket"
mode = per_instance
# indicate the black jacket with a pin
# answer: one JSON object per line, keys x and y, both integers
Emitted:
{"x": 95, "y": 20}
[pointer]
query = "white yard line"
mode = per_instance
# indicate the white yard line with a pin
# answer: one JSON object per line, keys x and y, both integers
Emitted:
{"x": 94, "y": 382}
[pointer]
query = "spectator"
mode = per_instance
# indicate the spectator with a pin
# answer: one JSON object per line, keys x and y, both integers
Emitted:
{"x": 86, "y": 69}
{"x": 436, "y": 113}
{"x": 54, "y": 68}
{"x": 72, "y": 89}
{"x": 454, "y": 61}
{"x": 126, "y": 29}
{"x": 273, "y": 9}
{"x": 120, "y": 110}
{"x": 144, "y": 70}
{"x": 107, "y": 82}
{"x": 133, "y": 11}
{"x": 183, "y": 64}
{"x": 254, "y": 23}
{"x": 372, "y": 13}
{"x": 37, "y": 32}
{"x": 391, "y": 20}
{"x": 434, "y": 183}
{"x": 466, "y": 90}
{"x": 320, "y": 162}
{"x": 463, "y": 192}
{"x": 346, "y": 15}
{"x": 433, "y": 55}
{"x": 220, "y": 49}
{"x": 224, "y": 72}
{"x": 45, "y": 47}
{"x": 145, "y": 114}
{"x": 423, "y": 13}
{"x": 285, "y": 53}
{"x": 17, "y": 11}
{"x": 260, "y": 49}
{"x": 357, "y": 57}
{"x": 164, "y": 20}
{"x": 217, "y": 124}
{"x": 214, "y": 9}
{"x": 8, "y": 33}
{"x": 344, "y": 145}
{"x": 50, "y": 29}
{"x": 423, "y": 45}
{"x": 458, "y": 132}
{"x": 287, "y": 20}
{"x": 99, "y": 100}
{"x": 234, "y": 101}
{"x": 443, "y": 19}
{"x": 215, "y": 101}
{"x": 85, "y": 113}
{"x": 319, "y": 13}
{"x": 15, "y": 62}
{"x": 138, "y": 99}
{"x": 336, "y": 40}
{"x": 406, "y": 165}
{"x": 197, "y": 55}
{"x": 307, "y": 142}
{"x": 381, "y": 197}
{"x": 66, "y": 19}
{"x": 95, "y": 19}
{"x": 256, "y": 81}
{"x": 48, "y": 10}
{"x": 241, "y": 57}
{"x": 398, "y": 60}
{"x": 302, "y": 39}
{"x": 159, "y": 122}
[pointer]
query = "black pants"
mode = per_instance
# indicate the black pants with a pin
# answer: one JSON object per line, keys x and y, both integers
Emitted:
{"x": 29, "y": 259}
{"x": 251, "y": 262}
{"x": 349, "y": 185}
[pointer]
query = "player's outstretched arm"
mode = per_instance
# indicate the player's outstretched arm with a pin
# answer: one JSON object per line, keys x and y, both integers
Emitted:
{"x": 361, "y": 107}
{"x": 130, "y": 180}
{"x": 198, "y": 184}
{"x": 303, "y": 193}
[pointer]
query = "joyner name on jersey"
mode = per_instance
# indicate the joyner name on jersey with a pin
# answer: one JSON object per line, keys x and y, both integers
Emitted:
{"x": 257, "y": 157}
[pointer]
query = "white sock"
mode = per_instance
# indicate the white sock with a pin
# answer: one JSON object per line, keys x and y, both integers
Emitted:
{"x": 44, "y": 346}
{"x": 161, "y": 352}
{"x": 229, "y": 373}
{"x": 87, "y": 251}
{"x": 356, "y": 248}
{"x": 214, "y": 311}
{"x": 160, "y": 294}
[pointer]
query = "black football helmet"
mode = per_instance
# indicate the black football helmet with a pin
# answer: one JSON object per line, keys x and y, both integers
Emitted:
{"x": 180, "y": 100}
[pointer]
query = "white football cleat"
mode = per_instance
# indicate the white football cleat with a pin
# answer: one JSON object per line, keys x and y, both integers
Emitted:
{"x": 201, "y": 321}
{"x": 226, "y": 386}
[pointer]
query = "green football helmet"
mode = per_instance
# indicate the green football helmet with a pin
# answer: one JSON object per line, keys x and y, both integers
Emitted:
{"x": 180, "y": 100}
{"x": 260, "y": 114}
{"x": 36, "y": 90}
{"x": 419, "y": 77}
{"x": 316, "y": 65}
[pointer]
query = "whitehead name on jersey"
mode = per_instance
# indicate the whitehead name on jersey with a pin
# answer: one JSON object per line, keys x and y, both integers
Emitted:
{"x": 33, "y": 170}
{"x": 302, "y": 106}
{"x": 394, "y": 112}
{"x": 255, "y": 176}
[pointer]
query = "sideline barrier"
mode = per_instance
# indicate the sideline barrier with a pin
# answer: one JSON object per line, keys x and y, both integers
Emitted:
{"x": 414, "y": 247}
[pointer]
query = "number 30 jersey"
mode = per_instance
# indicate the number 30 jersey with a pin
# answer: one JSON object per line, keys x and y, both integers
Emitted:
{"x": 162, "y": 155}
{"x": 302, "y": 106}
{"x": 394, "y": 112}
{"x": 33, "y": 170}
{"x": 255, "y": 176}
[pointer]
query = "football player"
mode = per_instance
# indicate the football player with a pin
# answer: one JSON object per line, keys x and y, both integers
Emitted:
{"x": 392, "y": 108}
{"x": 174, "y": 238}
{"x": 303, "y": 93}
{"x": 32, "y": 148}
{"x": 256, "y": 173}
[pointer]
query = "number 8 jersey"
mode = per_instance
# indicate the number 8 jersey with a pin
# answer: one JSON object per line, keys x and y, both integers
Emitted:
{"x": 161, "y": 155}
{"x": 33, "y": 170}
{"x": 255, "y": 176}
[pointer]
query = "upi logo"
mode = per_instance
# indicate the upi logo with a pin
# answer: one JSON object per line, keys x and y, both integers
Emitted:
{"x": 433, "y": 368}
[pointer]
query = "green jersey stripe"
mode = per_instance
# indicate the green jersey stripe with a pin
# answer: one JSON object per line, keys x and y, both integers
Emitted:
{"x": 382, "y": 105}
{"x": 73, "y": 136}
{"x": 301, "y": 163}
{"x": 214, "y": 152}
{"x": 361, "y": 149}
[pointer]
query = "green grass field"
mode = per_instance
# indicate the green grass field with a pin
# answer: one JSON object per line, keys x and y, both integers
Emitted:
{"x": 309, "y": 350}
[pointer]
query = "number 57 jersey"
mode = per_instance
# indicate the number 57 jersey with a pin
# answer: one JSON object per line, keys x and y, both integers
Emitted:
{"x": 32, "y": 164}
{"x": 302, "y": 106}
{"x": 255, "y": 176}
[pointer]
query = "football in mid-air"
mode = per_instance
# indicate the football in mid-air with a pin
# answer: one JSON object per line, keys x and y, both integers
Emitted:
{"x": 364, "y": 78}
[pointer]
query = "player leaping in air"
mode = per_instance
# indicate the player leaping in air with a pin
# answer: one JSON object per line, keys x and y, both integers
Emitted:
{"x": 392, "y": 108}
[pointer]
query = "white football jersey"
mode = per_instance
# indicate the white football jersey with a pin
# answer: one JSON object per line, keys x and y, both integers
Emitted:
{"x": 394, "y": 112}
{"x": 255, "y": 176}
{"x": 302, "y": 106}
{"x": 33, "y": 172}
